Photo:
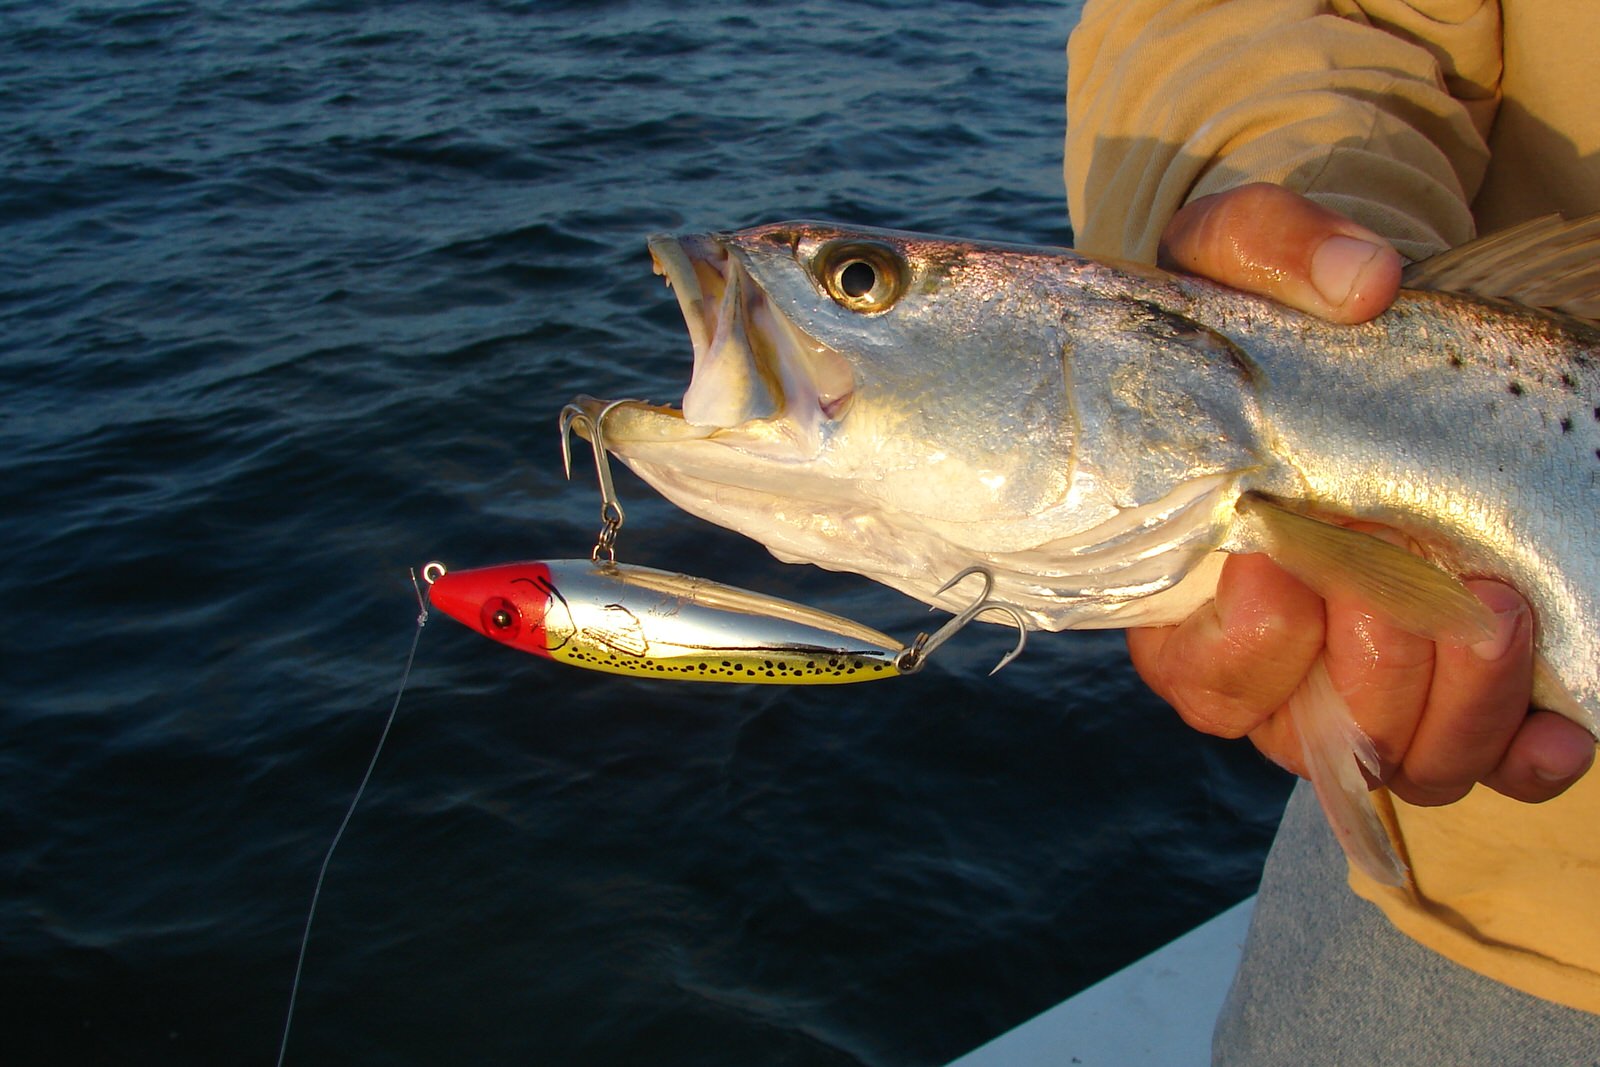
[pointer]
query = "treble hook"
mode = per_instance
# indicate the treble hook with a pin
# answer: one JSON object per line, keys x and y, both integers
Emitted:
{"x": 912, "y": 659}
{"x": 611, "y": 515}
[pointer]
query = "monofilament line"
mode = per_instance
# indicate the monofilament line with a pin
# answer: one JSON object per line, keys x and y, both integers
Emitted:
{"x": 322, "y": 874}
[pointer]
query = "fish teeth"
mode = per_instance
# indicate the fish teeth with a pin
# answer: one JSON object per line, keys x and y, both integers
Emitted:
{"x": 727, "y": 387}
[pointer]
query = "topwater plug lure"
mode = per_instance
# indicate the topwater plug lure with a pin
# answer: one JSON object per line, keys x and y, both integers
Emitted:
{"x": 609, "y": 616}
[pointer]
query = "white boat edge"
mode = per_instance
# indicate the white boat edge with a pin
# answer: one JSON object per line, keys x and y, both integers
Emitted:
{"x": 1156, "y": 1012}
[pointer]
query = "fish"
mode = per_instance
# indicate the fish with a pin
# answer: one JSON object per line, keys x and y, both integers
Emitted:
{"x": 1098, "y": 435}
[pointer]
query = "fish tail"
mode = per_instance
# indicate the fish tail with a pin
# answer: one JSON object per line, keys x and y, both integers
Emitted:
{"x": 1329, "y": 738}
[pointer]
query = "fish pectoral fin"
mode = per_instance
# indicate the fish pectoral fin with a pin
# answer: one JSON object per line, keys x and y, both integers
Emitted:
{"x": 1335, "y": 751}
{"x": 1403, "y": 589}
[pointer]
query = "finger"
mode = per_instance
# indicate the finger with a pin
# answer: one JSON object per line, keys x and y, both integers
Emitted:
{"x": 1268, "y": 240}
{"x": 1235, "y": 661}
{"x": 1278, "y": 740}
{"x": 1548, "y": 754}
{"x": 1383, "y": 672}
{"x": 1477, "y": 704}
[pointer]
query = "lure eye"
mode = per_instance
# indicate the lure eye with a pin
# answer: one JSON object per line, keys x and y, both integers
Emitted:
{"x": 500, "y": 619}
{"x": 863, "y": 276}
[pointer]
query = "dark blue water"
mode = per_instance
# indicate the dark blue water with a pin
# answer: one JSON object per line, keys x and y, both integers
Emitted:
{"x": 290, "y": 296}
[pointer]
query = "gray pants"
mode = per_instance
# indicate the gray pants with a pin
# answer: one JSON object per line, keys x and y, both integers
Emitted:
{"x": 1326, "y": 980}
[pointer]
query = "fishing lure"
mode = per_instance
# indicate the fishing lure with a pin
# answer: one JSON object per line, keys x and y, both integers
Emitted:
{"x": 608, "y": 616}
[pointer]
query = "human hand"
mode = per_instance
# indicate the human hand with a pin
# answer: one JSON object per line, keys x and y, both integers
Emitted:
{"x": 1442, "y": 716}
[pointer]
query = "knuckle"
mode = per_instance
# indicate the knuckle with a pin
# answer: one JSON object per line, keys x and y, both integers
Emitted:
{"x": 1217, "y": 714}
{"x": 1245, "y": 204}
{"x": 1429, "y": 790}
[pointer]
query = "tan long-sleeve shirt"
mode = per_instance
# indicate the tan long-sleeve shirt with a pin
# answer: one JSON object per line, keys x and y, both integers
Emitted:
{"x": 1413, "y": 118}
{"x": 1424, "y": 121}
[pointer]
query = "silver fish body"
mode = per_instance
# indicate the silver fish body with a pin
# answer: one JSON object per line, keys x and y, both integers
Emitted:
{"x": 904, "y": 407}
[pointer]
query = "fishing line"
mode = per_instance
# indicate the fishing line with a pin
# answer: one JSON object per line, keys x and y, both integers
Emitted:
{"x": 322, "y": 874}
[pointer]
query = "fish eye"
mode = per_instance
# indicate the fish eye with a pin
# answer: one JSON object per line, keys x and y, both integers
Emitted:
{"x": 863, "y": 276}
{"x": 858, "y": 278}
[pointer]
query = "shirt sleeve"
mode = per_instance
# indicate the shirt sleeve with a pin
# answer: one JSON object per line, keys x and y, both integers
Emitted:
{"x": 1378, "y": 110}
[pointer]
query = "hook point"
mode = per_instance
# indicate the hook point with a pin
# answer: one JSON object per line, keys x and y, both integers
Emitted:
{"x": 913, "y": 658}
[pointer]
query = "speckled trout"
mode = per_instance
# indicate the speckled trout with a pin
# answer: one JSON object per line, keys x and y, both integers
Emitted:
{"x": 1098, "y": 434}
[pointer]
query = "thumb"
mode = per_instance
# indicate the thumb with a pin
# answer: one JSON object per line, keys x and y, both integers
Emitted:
{"x": 1268, "y": 240}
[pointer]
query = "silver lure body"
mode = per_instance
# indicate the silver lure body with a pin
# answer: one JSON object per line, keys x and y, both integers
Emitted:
{"x": 643, "y": 622}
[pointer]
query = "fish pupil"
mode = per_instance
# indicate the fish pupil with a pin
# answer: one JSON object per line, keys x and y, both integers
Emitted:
{"x": 501, "y": 619}
{"x": 858, "y": 278}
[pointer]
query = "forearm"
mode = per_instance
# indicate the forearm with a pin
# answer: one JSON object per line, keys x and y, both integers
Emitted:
{"x": 1170, "y": 100}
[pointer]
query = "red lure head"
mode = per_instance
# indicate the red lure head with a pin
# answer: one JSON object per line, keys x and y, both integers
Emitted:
{"x": 515, "y": 603}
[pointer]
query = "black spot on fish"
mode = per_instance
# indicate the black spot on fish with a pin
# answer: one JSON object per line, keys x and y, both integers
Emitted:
{"x": 1515, "y": 388}
{"x": 1566, "y": 425}
{"x": 1566, "y": 380}
{"x": 1456, "y": 360}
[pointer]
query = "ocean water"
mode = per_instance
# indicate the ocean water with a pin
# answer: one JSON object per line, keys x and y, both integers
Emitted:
{"x": 291, "y": 294}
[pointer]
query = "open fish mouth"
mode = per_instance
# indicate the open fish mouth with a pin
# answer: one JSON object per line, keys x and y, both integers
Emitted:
{"x": 759, "y": 381}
